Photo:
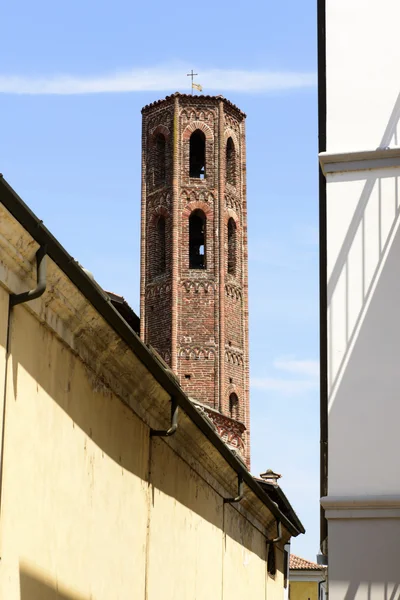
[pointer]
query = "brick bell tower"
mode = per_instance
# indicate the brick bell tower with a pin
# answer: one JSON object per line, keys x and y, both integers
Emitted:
{"x": 194, "y": 301}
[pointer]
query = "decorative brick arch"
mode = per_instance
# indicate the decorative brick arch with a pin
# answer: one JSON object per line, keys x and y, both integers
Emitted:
{"x": 232, "y": 170}
{"x": 153, "y": 242}
{"x": 208, "y": 133}
{"x": 183, "y": 353}
{"x": 159, "y": 211}
{"x": 211, "y": 354}
{"x": 232, "y": 201}
{"x": 233, "y": 291}
{"x": 158, "y": 173}
{"x": 232, "y": 214}
{"x": 197, "y": 205}
{"x": 229, "y": 133}
{"x": 208, "y": 212}
{"x": 159, "y": 129}
{"x": 198, "y": 125}
{"x": 233, "y": 394}
{"x": 231, "y": 389}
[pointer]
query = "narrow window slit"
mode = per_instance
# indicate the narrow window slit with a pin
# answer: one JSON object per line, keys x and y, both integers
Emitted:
{"x": 197, "y": 158}
{"x": 232, "y": 243}
{"x": 159, "y": 162}
{"x": 197, "y": 240}
{"x": 234, "y": 406}
{"x": 160, "y": 258}
{"x": 230, "y": 162}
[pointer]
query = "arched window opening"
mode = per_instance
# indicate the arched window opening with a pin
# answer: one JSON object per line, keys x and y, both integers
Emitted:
{"x": 232, "y": 250}
{"x": 230, "y": 162}
{"x": 234, "y": 406}
{"x": 197, "y": 240}
{"x": 197, "y": 160}
{"x": 159, "y": 162}
{"x": 160, "y": 254}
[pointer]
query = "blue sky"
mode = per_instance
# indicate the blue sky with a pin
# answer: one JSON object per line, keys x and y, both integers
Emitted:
{"x": 73, "y": 78}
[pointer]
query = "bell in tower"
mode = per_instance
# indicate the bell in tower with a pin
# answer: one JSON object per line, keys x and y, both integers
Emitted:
{"x": 194, "y": 302}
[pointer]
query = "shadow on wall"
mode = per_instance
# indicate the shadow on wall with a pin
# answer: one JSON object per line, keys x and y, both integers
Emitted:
{"x": 108, "y": 422}
{"x": 375, "y": 345}
{"x": 367, "y": 567}
{"x": 342, "y": 271}
{"x": 368, "y": 589}
{"x": 36, "y": 586}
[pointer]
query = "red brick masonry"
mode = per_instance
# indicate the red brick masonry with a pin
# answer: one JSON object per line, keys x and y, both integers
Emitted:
{"x": 197, "y": 318}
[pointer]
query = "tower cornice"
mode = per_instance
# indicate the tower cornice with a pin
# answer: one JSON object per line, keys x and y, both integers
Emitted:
{"x": 191, "y": 100}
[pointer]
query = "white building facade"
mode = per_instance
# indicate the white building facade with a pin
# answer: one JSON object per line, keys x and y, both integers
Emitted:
{"x": 359, "y": 137}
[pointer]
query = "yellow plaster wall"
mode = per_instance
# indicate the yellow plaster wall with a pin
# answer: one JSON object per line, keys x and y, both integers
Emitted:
{"x": 244, "y": 557}
{"x": 75, "y": 467}
{"x": 92, "y": 510}
{"x": 185, "y": 545}
{"x": 275, "y": 583}
{"x": 303, "y": 590}
{"x": 3, "y": 325}
{"x": 3, "y": 342}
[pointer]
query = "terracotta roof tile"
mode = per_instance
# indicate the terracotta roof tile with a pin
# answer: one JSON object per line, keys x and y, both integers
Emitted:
{"x": 296, "y": 563}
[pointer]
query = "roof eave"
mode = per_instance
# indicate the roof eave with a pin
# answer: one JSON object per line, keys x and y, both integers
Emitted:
{"x": 102, "y": 303}
{"x": 293, "y": 515}
{"x": 188, "y": 97}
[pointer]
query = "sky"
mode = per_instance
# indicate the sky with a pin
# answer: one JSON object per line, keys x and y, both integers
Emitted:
{"x": 73, "y": 78}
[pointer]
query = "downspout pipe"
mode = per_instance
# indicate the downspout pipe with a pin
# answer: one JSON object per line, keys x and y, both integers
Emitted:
{"x": 271, "y": 544}
{"x": 319, "y": 587}
{"x": 279, "y": 533}
{"x": 41, "y": 263}
{"x": 240, "y": 493}
{"x": 174, "y": 422}
{"x": 15, "y": 299}
{"x": 323, "y": 302}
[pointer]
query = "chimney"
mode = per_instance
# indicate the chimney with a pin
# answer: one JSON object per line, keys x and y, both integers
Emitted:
{"x": 270, "y": 477}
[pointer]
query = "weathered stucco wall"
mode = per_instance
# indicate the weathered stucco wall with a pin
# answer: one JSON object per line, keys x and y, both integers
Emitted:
{"x": 3, "y": 330}
{"x": 92, "y": 507}
{"x": 275, "y": 583}
{"x": 75, "y": 465}
{"x": 244, "y": 557}
{"x": 3, "y": 343}
{"x": 185, "y": 536}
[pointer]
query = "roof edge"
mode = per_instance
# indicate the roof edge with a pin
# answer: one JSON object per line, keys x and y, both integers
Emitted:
{"x": 283, "y": 498}
{"x": 102, "y": 303}
{"x": 201, "y": 99}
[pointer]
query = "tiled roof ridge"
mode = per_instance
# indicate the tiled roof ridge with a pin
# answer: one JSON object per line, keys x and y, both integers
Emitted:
{"x": 200, "y": 98}
{"x": 298, "y": 563}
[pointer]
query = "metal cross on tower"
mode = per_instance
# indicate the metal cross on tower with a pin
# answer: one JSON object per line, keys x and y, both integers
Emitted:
{"x": 192, "y": 75}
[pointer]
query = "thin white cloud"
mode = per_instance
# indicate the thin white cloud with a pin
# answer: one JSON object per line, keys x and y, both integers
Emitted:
{"x": 157, "y": 79}
{"x": 286, "y": 387}
{"x": 309, "y": 368}
{"x": 306, "y": 380}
